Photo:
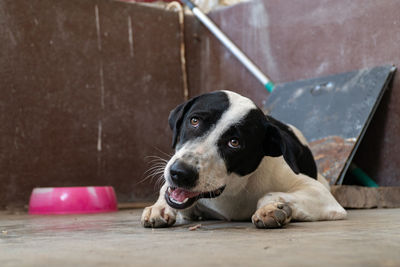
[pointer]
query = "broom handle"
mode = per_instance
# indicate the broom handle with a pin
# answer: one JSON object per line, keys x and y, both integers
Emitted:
{"x": 268, "y": 84}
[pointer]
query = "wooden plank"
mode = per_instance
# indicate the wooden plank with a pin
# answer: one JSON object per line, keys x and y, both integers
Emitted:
{"x": 360, "y": 197}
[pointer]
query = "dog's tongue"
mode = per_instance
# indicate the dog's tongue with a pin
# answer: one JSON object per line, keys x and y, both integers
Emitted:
{"x": 180, "y": 194}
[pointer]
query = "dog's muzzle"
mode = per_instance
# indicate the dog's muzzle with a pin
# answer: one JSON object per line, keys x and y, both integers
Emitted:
{"x": 179, "y": 198}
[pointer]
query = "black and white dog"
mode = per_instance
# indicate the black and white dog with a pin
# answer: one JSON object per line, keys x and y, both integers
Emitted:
{"x": 232, "y": 162}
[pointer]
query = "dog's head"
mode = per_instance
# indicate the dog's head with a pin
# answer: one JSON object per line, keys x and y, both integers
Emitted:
{"x": 219, "y": 137}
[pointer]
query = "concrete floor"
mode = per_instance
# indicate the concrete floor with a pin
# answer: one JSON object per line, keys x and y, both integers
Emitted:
{"x": 366, "y": 238}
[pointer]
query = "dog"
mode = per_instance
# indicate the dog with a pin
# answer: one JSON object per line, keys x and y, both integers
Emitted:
{"x": 233, "y": 162}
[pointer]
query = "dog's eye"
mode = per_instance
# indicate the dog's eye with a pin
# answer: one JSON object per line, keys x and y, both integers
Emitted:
{"x": 234, "y": 143}
{"x": 194, "y": 122}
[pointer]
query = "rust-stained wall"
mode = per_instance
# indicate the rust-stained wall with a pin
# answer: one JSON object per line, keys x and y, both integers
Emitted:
{"x": 307, "y": 39}
{"x": 85, "y": 92}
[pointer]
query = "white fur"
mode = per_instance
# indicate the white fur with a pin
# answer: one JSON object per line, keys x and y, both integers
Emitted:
{"x": 274, "y": 181}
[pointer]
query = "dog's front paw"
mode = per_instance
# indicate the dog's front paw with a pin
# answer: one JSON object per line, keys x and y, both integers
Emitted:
{"x": 157, "y": 216}
{"x": 273, "y": 215}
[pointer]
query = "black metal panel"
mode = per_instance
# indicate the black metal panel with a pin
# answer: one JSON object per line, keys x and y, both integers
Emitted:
{"x": 333, "y": 113}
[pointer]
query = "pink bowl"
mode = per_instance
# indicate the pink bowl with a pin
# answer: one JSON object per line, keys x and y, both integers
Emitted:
{"x": 72, "y": 200}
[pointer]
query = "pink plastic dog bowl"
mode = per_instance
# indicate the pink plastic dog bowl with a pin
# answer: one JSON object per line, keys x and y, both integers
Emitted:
{"x": 72, "y": 200}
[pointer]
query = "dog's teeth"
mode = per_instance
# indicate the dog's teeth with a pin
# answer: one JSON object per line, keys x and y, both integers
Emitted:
{"x": 169, "y": 190}
{"x": 176, "y": 201}
{"x": 186, "y": 199}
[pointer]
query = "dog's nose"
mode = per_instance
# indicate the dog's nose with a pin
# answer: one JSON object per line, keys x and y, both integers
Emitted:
{"x": 183, "y": 175}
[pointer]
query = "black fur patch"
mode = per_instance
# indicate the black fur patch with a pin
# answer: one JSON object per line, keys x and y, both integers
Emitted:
{"x": 207, "y": 108}
{"x": 250, "y": 133}
{"x": 284, "y": 142}
{"x": 261, "y": 136}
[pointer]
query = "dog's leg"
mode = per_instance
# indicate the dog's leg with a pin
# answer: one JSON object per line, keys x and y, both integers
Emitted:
{"x": 160, "y": 214}
{"x": 308, "y": 200}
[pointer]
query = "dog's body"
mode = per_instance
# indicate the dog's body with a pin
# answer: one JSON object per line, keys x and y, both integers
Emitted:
{"x": 232, "y": 162}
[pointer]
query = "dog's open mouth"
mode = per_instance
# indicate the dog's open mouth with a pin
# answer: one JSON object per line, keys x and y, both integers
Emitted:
{"x": 179, "y": 198}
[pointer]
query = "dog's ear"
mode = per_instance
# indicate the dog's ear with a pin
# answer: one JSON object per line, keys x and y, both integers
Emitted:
{"x": 175, "y": 119}
{"x": 281, "y": 141}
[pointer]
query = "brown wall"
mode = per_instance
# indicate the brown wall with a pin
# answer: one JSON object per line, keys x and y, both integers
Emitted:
{"x": 64, "y": 71}
{"x": 308, "y": 39}
{"x": 80, "y": 104}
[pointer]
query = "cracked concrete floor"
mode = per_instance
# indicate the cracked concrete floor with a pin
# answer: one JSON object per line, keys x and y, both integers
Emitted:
{"x": 366, "y": 238}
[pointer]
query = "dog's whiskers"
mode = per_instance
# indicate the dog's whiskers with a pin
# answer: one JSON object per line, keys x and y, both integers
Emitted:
{"x": 156, "y": 159}
{"x": 156, "y": 167}
{"x": 162, "y": 152}
{"x": 159, "y": 181}
{"x": 156, "y": 170}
